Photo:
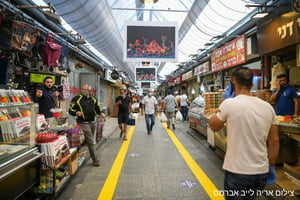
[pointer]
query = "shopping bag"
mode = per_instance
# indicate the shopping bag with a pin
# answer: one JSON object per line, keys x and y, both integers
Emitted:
{"x": 74, "y": 135}
{"x": 100, "y": 126}
{"x": 131, "y": 121}
{"x": 178, "y": 116}
{"x": 52, "y": 52}
{"x": 163, "y": 117}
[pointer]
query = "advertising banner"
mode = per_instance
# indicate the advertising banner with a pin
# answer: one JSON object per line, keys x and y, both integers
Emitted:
{"x": 232, "y": 54}
{"x": 145, "y": 74}
{"x": 156, "y": 41}
{"x": 145, "y": 85}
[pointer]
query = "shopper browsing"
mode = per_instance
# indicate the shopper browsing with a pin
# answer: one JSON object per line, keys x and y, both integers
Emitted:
{"x": 252, "y": 138}
{"x": 285, "y": 98}
{"x": 124, "y": 103}
{"x": 85, "y": 107}
{"x": 183, "y": 106}
{"x": 169, "y": 108}
{"x": 149, "y": 105}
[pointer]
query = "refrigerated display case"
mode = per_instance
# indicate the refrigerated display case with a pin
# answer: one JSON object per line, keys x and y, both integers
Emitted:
{"x": 19, "y": 156}
{"x": 197, "y": 121}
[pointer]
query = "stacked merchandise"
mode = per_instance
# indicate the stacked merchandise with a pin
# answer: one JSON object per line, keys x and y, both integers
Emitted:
{"x": 15, "y": 124}
{"x": 54, "y": 147}
{"x": 262, "y": 94}
{"x": 14, "y": 97}
{"x": 213, "y": 100}
{"x": 258, "y": 93}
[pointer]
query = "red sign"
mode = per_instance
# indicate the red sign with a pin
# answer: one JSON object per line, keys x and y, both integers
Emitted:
{"x": 176, "y": 80}
{"x": 233, "y": 53}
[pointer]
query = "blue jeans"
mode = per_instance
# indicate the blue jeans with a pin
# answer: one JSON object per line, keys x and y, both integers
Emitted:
{"x": 240, "y": 186}
{"x": 184, "y": 112}
{"x": 150, "y": 121}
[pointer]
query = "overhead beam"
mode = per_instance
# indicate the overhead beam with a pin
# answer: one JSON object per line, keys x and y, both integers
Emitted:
{"x": 146, "y": 9}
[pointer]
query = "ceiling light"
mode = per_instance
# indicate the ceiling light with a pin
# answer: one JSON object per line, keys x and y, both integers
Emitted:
{"x": 260, "y": 15}
{"x": 208, "y": 44}
{"x": 148, "y": 1}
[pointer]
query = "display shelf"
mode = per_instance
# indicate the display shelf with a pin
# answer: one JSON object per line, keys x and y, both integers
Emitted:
{"x": 19, "y": 157}
{"x": 56, "y": 177}
{"x": 62, "y": 183}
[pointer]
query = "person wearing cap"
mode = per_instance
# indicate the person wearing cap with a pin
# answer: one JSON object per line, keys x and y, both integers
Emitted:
{"x": 169, "y": 108}
{"x": 149, "y": 105}
{"x": 124, "y": 103}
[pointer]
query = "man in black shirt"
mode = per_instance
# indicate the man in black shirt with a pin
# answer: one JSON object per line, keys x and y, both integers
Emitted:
{"x": 124, "y": 103}
{"x": 45, "y": 98}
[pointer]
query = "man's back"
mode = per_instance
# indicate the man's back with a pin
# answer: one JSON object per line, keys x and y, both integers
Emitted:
{"x": 183, "y": 100}
{"x": 170, "y": 103}
{"x": 248, "y": 123}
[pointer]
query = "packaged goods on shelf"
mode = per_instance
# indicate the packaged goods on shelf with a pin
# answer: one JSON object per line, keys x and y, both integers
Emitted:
{"x": 213, "y": 99}
{"x": 54, "y": 151}
{"x": 41, "y": 123}
{"x": 73, "y": 164}
{"x": 14, "y": 96}
{"x": 14, "y": 128}
{"x": 262, "y": 94}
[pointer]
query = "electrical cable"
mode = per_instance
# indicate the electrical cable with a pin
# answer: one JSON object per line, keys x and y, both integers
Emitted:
{"x": 207, "y": 2}
{"x": 231, "y": 8}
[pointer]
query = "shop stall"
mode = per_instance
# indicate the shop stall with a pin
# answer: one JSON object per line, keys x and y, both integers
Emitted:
{"x": 19, "y": 156}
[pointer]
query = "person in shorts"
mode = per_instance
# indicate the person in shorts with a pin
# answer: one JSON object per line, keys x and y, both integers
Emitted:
{"x": 124, "y": 103}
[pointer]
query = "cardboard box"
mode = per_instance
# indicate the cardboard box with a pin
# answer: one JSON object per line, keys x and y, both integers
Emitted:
{"x": 73, "y": 164}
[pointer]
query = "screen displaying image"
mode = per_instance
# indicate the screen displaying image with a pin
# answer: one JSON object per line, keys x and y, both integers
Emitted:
{"x": 145, "y": 85}
{"x": 155, "y": 41}
{"x": 145, "y": 74}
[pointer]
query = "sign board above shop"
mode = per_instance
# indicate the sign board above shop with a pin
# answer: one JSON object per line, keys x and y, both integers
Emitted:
{"x": 174, "y": 81}
{"x": 278, "y": 33}
{"x": 187, "y": 75}
{"x": 232, "y": 54}
{"x": 202, "y": 68}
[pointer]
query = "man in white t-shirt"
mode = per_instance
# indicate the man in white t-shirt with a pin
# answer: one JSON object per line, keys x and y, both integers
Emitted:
{"x": 252, "y": 139}
{"x": 183, "y": 106}
{"x": 149, "y": 105}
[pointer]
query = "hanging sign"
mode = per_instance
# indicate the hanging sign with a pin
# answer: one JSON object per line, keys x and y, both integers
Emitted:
{"x": 232, "y": 54}
{"x": 278, "y": 33}
{"x": 202, "y": 68}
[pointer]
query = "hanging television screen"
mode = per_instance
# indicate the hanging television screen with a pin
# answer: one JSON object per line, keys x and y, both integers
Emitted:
{"x": 145, "y": 85}
{"x": 155, "y": 41}
{"x": 145, "y": 74}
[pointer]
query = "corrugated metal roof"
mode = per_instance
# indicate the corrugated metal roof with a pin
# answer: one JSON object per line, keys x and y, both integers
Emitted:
{"x": 101, "y": 23}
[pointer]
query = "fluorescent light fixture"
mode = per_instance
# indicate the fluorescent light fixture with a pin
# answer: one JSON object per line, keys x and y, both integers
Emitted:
{"x": 260, "y": 15}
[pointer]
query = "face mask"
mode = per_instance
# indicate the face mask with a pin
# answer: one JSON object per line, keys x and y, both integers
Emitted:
{"x": 85, "y": 93}
{"x": 150, "y": 94}
{"x": 123, "y": 95}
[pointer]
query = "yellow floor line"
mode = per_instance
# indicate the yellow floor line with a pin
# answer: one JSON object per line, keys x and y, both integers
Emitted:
{"x": 205, "y": 182}
{"x": 110, "y": 184}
